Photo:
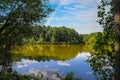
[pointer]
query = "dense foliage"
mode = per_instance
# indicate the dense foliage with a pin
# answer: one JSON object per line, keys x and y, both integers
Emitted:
{"x": 17, "y": 17}
{"x": 47, "y": 34}
{"x": 102, "y": 61}
{"x": 90, "y": 38}
{"x": 105, "y": 41}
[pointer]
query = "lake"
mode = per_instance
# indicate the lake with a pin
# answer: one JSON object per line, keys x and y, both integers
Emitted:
{"x": 49, "y": 59}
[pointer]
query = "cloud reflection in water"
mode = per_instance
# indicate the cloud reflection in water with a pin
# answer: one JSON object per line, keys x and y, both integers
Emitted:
{"x": 24, "y": 63}
{"x": 63, "y": 63}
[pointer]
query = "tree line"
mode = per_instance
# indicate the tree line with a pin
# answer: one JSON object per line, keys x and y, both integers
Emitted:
{"x": 47, "y": 34}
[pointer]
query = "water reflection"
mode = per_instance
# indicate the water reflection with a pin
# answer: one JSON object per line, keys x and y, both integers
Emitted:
{"x": 102, "y": 66}
{"x": 51, "y": 74}
{"x": 63, "y": 63}
{"x": 77, "y": 65}
{"x": 48, "y": 52}
{"x": 62, "y": 58}
{"x": 24, "y": 63}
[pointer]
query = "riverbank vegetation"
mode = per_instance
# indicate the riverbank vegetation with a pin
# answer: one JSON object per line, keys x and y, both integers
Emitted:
{"x": 100, "y": 42}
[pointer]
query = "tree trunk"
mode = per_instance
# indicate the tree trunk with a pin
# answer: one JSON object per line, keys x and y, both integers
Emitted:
{"x": 117, "y": 39}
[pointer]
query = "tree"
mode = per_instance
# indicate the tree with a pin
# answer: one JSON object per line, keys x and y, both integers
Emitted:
{"x": 105, "y": 40}
{"x": 111, "y": 21}
{"x": 117, "y": 38}
{"x": 17, "y": 16}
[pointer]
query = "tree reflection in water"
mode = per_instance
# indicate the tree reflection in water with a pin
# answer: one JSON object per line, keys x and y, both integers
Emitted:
{"x": 102, "y": 66}
{"x": 47, "y": 52}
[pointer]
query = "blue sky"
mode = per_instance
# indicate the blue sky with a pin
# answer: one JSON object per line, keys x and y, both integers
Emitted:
{"x": 78, "y": 14}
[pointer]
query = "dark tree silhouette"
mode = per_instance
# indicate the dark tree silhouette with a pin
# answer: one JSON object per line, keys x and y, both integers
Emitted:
{"x": 117, "y": 38}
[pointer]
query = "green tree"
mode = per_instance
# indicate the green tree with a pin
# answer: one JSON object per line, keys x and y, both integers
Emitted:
{"x": 17, "y": 16}
{"x": 110, "y": 19}
{"x": 105, "y": 41}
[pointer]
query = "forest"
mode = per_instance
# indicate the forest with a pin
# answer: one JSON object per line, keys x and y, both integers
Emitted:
{"x": 47, "y": 34}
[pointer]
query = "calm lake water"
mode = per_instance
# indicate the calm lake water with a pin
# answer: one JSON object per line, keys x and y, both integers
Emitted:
{"x": 49, "y": 59}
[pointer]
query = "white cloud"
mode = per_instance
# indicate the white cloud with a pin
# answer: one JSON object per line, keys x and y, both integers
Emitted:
{"x": 80, "y": 15}
{"x": 86, "y": 29}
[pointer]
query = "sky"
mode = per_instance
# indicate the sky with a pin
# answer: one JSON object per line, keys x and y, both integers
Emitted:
{"x": 80, "y": 15}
